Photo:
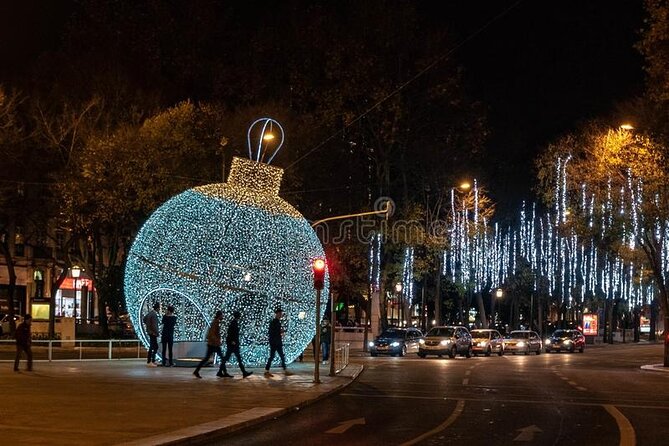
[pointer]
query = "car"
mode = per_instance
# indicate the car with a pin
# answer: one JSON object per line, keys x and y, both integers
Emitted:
{"x": 487, "y": 341}
{"x": 568, "y": 340}
{"x": 522, "y": 341}
{"x": 396, "y": 342}
{"x": 446, "y": 340}
{"x": 4, "y": 323}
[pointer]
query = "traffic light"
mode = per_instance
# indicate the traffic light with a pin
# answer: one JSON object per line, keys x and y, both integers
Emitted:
{"x": 318, "y": 266}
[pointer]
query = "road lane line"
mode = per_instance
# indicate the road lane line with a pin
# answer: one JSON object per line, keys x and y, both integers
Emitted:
{"x": 627, "y": 436}
{"x": 501, "y": 400}
{"x": 582, "y": 388}
{"x": 573, "y": 383}
{"x": 465, "y": 381}
{"x": 468, "y": 372}
{"x": 459, "y": 407}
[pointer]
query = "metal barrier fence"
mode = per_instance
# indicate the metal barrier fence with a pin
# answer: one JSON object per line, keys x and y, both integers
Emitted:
{"x": 341, "y": 355}
{"x": 77, "y": 350}
{"x": 105, "y": 350}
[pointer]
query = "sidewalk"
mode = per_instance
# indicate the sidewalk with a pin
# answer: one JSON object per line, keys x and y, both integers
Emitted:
{"x": 125, "y": 402}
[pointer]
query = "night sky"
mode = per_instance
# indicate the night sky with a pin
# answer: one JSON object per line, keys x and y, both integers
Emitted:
{"x": 541, "y": 68}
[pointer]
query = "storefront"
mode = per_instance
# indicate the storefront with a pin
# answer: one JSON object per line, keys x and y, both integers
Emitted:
{"x": 76, "y": 298}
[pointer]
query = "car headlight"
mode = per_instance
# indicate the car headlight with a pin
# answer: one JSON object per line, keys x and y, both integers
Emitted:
{"x": 371, "y": 344}
{"x": 445, "y": 342}
{"x": 521, "y": 344}
{"x": 421, "y": 341}
{"x": 481, "y": 344}
{"x": 547, "y": 341}
{"x": 567, "y": 341}
{"x": 395, "y": 344}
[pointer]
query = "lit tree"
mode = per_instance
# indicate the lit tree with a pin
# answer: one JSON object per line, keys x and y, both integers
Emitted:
{"x": 614, "y": 185}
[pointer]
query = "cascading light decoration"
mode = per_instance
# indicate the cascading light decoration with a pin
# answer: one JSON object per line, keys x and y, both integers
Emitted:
{"x": 230, "y": 246}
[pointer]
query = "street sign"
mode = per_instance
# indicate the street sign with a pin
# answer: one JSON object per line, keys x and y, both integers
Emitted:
{"x": 527, "y": 433}
{"x": 590, "y": 324}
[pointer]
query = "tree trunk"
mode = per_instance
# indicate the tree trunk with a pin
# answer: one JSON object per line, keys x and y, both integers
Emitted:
{"x": 666, "y": 339}
{"x": 11, "y": 271}
{"x": 482, "y": 314}
{"x": 653, "y": 320}
{"x": 437, "y": 295}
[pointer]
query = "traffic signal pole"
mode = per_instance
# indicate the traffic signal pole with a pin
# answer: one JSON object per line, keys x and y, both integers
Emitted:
{"x": 317, "y": 339}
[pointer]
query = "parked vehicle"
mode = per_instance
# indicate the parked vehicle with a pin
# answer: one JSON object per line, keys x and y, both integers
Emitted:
{"x": 449, "y": 340}
{"x": 4, "y": 323}
{"x": 568, "y": 340}
{"x": 396, "y": 342}
{"x": 522, "y": 341}
{"x": 487, "y": 341}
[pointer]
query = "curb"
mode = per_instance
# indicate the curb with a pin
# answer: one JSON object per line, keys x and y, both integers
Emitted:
{"x": 217, "y": 429}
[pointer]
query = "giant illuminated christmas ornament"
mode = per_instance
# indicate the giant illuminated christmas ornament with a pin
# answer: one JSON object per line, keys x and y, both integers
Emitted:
{"x": 230, "y": 246}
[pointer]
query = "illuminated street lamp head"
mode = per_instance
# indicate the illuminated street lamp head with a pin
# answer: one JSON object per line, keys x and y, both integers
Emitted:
{"x": 465, "y": 185}
{"x": 76, "y": 271}
{"x": 499, "y": 292}
{"x": 398, "y": 287}
{"x": 626, "y": 126}
{"x": 264, "y": 138}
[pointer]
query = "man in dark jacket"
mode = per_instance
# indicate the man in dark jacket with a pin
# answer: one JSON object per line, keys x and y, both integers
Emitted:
{"x": 151, "y": 322}
{"x": 23, "y": 342}
{"x": 232, "y": 345}
{"x": 167, "y": 335}
{"x": 213, "y": 345}
{"x": 276, "y": 342}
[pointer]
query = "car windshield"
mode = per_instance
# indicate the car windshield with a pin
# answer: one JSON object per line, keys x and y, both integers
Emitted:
{"x": 561, "y": 333}
{"x": 441, "y": 332}
{"x": 392, "y": 334}
{"x": 480, "y": 334}
{"x": 519, "y": 335}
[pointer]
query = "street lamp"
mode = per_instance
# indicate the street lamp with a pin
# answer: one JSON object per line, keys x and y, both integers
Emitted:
{"x": 499, "y": 293}
{"x": 400, "y": 300}
{"x": 76, "y": 272}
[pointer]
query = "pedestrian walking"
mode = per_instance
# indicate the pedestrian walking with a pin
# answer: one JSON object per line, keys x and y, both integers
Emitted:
{"x": 276, "y": 343}
{"x": 151, "y": 323}
{"x": 213, "y": 345}
{"x": 167, "y": 335}
{"x": 326, "y": 334}
{"x": 232, "y": 345}
{"x": 23, "y": 341}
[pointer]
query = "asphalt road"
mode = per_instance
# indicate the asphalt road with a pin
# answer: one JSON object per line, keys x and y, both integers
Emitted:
{"x": 600, "y": 397}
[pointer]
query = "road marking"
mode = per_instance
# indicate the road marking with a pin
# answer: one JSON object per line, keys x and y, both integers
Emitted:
{"x": 627, "y": 436}
{"x": 582, "y": 388}
{"x": 465, "y": 381}
{"x": 468, "y": 372}
{"x": 459, "y": 407}
{"x": 345, "y": 425}
{"x": 564, "y": 378}
{"x": 527, "y": 433}
{"x": 573, "y": 383}
{"x": 508, "y": 401}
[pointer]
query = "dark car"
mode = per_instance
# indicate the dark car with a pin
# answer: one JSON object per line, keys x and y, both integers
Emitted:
{"x": 396, "y": 342}
{"x": 567, "y": 340}
{"x": 4, "y": 323}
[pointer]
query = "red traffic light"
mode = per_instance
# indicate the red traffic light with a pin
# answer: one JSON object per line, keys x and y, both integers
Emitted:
{"x": 318, "y": 266}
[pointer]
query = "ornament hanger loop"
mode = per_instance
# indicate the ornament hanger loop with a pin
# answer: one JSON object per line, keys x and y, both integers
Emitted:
{"x": 265, "y": 137}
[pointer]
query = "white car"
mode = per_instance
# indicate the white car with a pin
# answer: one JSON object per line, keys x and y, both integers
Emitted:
{"x": 523, "y": 341}
{"x": 486, "y": 341}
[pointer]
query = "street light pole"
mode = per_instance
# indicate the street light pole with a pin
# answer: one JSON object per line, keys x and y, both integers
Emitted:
{"x": 499, "y": 293}
{"x": 399, "y": 300}
{"x": 76, "y": 272}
